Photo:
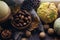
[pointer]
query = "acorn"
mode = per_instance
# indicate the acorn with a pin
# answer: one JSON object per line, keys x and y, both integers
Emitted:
{"x": 50, "y": 31}
{"x": 28, "y": 33}
{"x": 42, "y": 35}
{"x": 6, "y": 34}
{"x": 4, "y": 11}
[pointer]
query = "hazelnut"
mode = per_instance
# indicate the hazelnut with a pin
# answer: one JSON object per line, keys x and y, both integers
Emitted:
{"x": 24, "y": 39}
{"x": 20, "y": 24}
{"x": 24, "y": 24}
{"x": 42, "y": 35}
{"x": 50, "y": 31}
{"x": 29, "y": 17}
{"x": 28, "y": 33}
{"x": 26, "y": 18}
{"x": 27, "y": 21}
{"x": 19, "y": 15}
{"x": 22, "y": 17}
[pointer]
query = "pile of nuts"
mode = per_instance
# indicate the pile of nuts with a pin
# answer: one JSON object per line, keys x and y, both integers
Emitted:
{"x": 21, "y": 19}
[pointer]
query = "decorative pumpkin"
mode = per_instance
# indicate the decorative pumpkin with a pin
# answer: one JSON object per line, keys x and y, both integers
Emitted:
{"x": 47, "y": 12}
{"x": 57, "y": 26}
{"x": 4, "y": 11}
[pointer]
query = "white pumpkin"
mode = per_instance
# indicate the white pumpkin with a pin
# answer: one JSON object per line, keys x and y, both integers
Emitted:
{"x": 4, "y": 11}
{"x": 57, "y": 26}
